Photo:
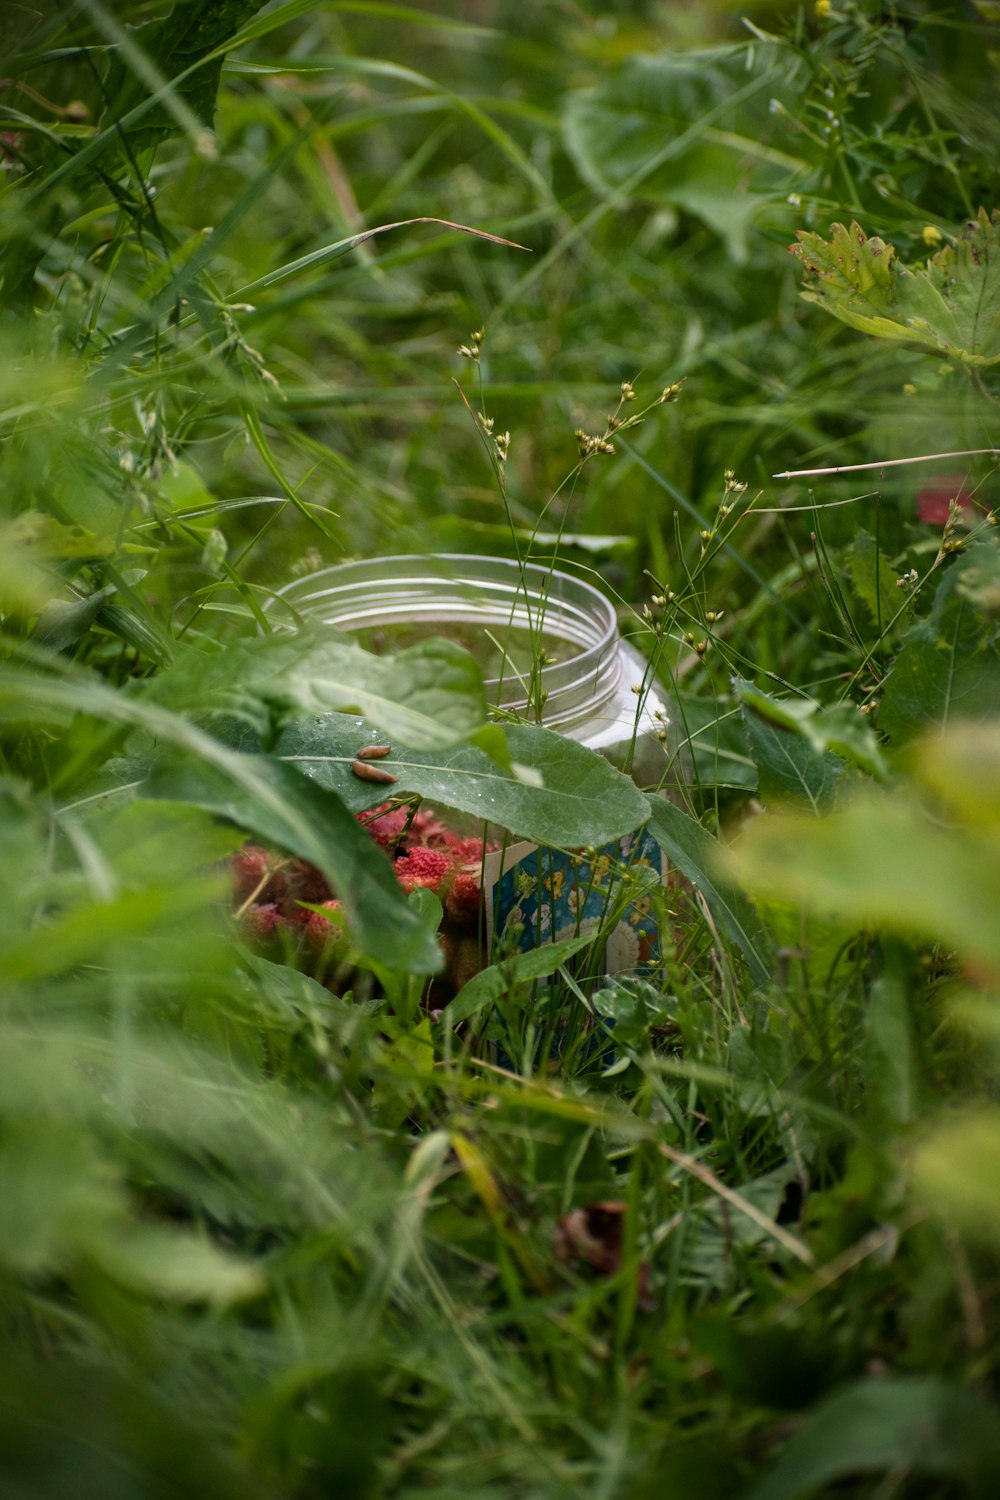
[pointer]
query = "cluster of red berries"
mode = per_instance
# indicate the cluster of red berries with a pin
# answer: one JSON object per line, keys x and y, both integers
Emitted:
{"x": 286, "y": 905}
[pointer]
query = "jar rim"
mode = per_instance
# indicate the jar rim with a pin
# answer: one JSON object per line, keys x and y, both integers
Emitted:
{"x": 453, "y": 588}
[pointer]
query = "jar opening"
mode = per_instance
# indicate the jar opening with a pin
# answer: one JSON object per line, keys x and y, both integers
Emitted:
{"x": 539, "y": 634}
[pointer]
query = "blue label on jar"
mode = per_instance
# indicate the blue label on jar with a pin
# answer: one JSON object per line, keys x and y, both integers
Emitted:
{"x": 549, "y": 895}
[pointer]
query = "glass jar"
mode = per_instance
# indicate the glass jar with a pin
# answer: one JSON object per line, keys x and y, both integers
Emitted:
{"x": 553, "y": 640}
{"x": 559, "y": 660}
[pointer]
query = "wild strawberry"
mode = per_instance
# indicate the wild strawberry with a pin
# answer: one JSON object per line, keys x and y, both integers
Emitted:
{"x": 251, "y": 866}
{"x": 320, "y": 929}
{"x": 464, "y": 896}
{"x": 306, "y": 883}
{"x": 261, "y": 924}
{"x": 428, "y": 831}
{"x": 384, "y": 823}
{"x": 420, "y": 867}
{"x": 936, "y": 499}
{"x": 469, "y": 851}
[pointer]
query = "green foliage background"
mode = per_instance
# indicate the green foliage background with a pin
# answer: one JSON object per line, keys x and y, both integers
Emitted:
{"x": 729, "y": 1228}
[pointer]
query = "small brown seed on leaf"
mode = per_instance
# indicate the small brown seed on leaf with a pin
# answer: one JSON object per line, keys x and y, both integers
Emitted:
{"x": 373, "y": 752}
{"x": 372, "y": 773}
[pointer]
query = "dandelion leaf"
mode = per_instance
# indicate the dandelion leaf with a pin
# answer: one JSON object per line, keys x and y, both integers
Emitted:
{"x": 949, "y": 307}
{"x": 187, "y": 47}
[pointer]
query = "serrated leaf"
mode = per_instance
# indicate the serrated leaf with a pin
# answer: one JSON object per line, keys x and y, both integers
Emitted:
{"x": 64, "y": 1202}
{"x": 951, "y": 306}
{"x": 697, "y": 856}
{"x": 715, "y": 742}
{"x": 873, "y": 579}
{"x": 949, "y": 664}
{"x": 175, "y": 43}
{"x": 56, "y": 1192}
{"x": 582, "y": 799}
{"x": 791, "y": 765}
{"x": 313, "y": 824}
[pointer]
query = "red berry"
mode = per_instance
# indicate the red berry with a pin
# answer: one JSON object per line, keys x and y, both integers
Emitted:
{"x": 464, "y": 896}
{"x": 306, "y": 883}
{"x": 250, "y": 867}
{"x": 429, "y": 831}
{"x": 384, "y": 823}
{"x": 262, "y": 923}
{"x": 423, "y": 867}
{"x": 319, "y": 928}
{"x": 469, "y": 852}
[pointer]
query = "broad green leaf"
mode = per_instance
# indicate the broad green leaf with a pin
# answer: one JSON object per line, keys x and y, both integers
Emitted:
{"x": 696, "y": 854}
{"x": 64, "y": 1204}
{"x": 948, "y": 667}
{"x": 174, "y": 45}
{"x": 144, "y": 634}
{"x": 873, "y": 580}
{"x": 688, "y": 129}
{"x": 841, "y": 729}
{"x": 980, "y": 582}
{"x": 845, "y": 732}
{"x": 152, "y": 843}
{"x": 57, "y": 1193}
{"x": 883, "y": 861}
{"x": 45, "y": 539}
{"x": 429, "y": 695}
{"x": 891, "y": 1071}
{"x": 902, "y": 1424}
{"x": 285, "y": 1157}
{"x": 963, "y": 769}
{"x": 956, "y": 1169}
{"x": 102, "y": 931}
{"x": 582, "y": 800}
{"x": 313, "y": 824}
{"x": 713, "y": 741}
{"x": 491, "y": 984}
{"x": 177, "y": 1265}
{"x": 62, "y": 622}
{"x": 790, "y": 766}
{"x": 951, "y": 306}
{"x": 632, "y": 1006}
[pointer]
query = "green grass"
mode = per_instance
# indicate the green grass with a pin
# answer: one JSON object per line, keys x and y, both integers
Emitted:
{"x": 266, "y": 1235}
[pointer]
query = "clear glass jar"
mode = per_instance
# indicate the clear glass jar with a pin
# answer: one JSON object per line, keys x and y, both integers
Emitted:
{"x": 587, "y": 690}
